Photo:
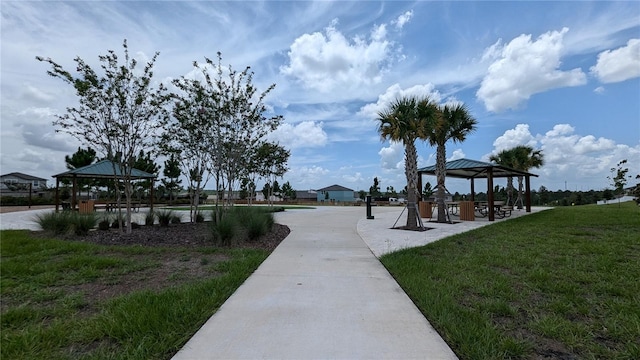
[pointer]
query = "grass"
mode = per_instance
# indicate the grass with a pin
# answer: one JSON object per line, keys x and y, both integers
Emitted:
{"x": 561, "y": 283}
{"x": 53, "y": 303}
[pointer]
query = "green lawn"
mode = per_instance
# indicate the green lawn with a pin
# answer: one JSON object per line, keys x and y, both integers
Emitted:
{"x": 73, "y": 300}
{"x": 563, "y": 283}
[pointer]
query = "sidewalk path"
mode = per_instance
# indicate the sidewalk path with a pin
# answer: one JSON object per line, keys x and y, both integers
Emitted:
{"x": 321, "y": 294}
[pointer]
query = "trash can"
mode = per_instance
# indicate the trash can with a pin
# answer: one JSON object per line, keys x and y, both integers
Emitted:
{"x": 467, "y": 211}
{"x": 86, "y": 206}
{"x": 425, "y": 209}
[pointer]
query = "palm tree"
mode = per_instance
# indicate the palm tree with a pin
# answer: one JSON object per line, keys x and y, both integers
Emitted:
{"x": 400, "y": 122}
{"x": 525, "y": 158}
{"x": 452, "y": 123}
{"x": 506, "y": 158}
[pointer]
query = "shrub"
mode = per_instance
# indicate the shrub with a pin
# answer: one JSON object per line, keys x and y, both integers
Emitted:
{"x": 164, "y": 217}
{"x": 150, "y": 218}
{"x": 242, "y": 223}
{"x": 176, "y": 219}
{"x": 104, "y": 224}
{"x": 256, "y": 227}
{"x": 199, "y": 217}
{"x": 135, "y": 225}
{"x": 82, "y": 223}
{"x": 57, "y": 223}
{"x": 224, "y": 231}
{"x": 66, "y": 222}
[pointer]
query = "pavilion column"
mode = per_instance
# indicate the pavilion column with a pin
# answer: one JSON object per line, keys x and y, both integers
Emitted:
{"x": 473, "y": 191}
{"x": 490, "y": 194}
{"x": 527, "y": 192}
{"x": 57, "y": 194}
{"x": 151, "y": 196}
{"x": 75, "y": 190}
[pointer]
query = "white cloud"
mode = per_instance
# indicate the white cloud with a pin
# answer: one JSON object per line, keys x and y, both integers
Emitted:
{"x": 525, "y": 68}
{"x": 569, "y": 156}
{"x": 304, "y": 134}
{"x": 326, "y": 61}
{"x": 620, "y": 64}
{"x": 394, "y": 92}
{"x": 391, "y": 157}
{"x": 35, "y": 127}
{"x": 353, "y": 178}
{"x": 457, "y": 154}
{"x": 599, "y": 90}
{"x": 511, "y": 138}
{"x": 403, "y": 19}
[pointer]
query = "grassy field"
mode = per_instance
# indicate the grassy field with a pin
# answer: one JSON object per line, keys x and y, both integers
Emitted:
{"x": 562, "y": 284}
{"x": 72, "y": 300}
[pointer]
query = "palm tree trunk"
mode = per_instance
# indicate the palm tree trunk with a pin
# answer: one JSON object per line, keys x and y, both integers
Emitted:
{"x": 411, "y": 172}
{"x": 519, "y": 198}
{"x": 509, "y": 190}
{"x": 441, "y": 174}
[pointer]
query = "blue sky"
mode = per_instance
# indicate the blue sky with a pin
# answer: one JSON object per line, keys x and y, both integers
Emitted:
{"x": 563, "y": 77}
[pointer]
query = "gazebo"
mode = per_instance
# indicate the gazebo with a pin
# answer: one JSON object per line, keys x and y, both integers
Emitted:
{"x": 473, "y": 169}
{"x": 104, "y": 169}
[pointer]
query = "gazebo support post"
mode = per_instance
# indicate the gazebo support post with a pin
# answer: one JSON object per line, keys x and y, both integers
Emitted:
{"x": 57, "y": 194}
{"x": 74, "y": 200}
{"x": 151, "y": 197}
{"x": 527, "y": 193}
{"x": 490, "y": 194}
{"x": 473, "y": 191}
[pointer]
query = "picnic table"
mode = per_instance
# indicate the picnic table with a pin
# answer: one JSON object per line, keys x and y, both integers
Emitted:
{"x": 499, "y": 209}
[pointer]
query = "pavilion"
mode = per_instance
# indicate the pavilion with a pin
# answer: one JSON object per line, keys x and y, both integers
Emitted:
{"x": 104, "y": 169}
{"x": 473, "y": 169}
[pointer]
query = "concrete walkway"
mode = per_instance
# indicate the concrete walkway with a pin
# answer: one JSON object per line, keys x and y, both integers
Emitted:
{"x": 321, "y": 294}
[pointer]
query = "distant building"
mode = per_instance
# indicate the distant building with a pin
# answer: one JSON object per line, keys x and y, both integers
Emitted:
{"x": 336, "y": 194}
{"x": 18, "y": 185}
{"x": 306, "y": 195}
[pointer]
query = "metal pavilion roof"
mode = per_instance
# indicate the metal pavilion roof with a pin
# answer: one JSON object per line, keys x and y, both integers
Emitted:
{"x": 472, "y": 169}
{"x": 103, "y": 169}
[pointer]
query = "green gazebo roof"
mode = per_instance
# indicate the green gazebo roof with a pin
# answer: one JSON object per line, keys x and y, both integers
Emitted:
{"x": 468, "y": 169}
{"x": 104, "y": 169}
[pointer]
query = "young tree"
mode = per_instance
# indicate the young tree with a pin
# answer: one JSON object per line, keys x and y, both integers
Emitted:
{"x": 273, "y": 159}
{"x": 374, "y": 190}
{"x": 145, "y": 163}
{"x": 172, "y": 174}
{"x": 427, "y": 191}
{"x": 287, "y": 191}
{"x": 80, "y": 158}
{"x": 221, "y": 117}
{"x": 120, "y": 111}
{"x": 619, "y": 178}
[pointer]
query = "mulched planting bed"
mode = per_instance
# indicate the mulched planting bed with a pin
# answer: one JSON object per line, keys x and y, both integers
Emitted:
{"x": 175, "y": 235}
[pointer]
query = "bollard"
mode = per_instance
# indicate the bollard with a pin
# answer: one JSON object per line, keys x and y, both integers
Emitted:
{"x": 369, "y": 216}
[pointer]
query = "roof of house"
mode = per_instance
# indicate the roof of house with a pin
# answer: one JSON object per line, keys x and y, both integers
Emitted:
{"x": 467, "y": 169}
{"x": 103, "y": 169}
{"x": 306, "y": 194}
{"x": 23, "y": 176}
{"x": 335, "y": 188}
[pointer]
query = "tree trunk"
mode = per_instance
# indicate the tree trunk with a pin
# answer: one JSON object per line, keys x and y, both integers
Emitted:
{"x": 519, "y": 198}
{"x": 441, "y": 174}
{"x": 411, "y": 172}
{"x": 509, "y": 190}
